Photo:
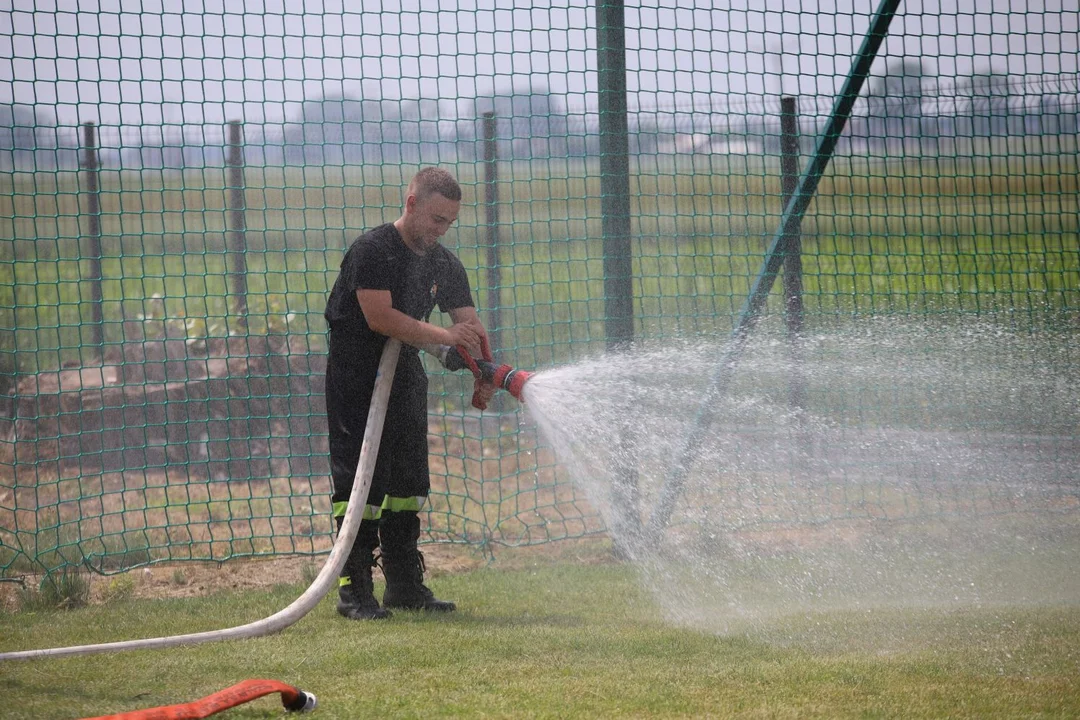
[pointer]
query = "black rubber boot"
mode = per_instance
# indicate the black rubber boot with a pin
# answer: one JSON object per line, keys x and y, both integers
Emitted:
{"x": 403, "y": 565}
{"x": 356, "y": 591}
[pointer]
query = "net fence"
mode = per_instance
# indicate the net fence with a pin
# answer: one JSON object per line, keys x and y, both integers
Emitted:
{"x": 179, "y": 181}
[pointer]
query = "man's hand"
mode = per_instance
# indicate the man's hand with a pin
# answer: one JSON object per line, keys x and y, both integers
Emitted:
{"x": 469, "y": 334}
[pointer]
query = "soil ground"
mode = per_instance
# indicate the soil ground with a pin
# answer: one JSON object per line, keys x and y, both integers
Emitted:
{"x": 197, "y": 579}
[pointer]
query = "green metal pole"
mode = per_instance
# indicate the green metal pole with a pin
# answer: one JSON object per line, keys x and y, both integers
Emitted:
{"x": 789, "y": 180}
{"x": 91, "y": 169}
{"x": 615, "y": 208}
{"x": 790, "y": 224}
{"x": 237, "y": 237}
{"x": 614, "y": 172}
{"x": 491, "y": 223}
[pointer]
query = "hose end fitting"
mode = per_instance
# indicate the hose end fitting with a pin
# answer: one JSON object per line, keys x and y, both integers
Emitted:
{"x": 515, "y": 383}
{"x": 511, "y": 380}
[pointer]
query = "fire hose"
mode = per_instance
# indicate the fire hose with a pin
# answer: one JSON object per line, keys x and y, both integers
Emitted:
{"x": 484, "y": 370}
{"x": 293, "y": 699}
{"x": 326, "y": 578}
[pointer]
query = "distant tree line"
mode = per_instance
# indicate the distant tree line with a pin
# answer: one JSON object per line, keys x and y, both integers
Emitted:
{"x": 902, "y": 104}
{"x": 908, "y": 102}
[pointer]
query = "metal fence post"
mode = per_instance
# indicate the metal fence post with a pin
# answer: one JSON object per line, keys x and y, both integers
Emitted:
{"x": 91, "y": 170}
{"x": 614, "y": 172}
{"x": 618, "y": 262}
{"x": 236, "y": 282}
{"x": 789, "y": 181}
{"x": 491, "y": 211}
{"x": 491, "y": 221}
{"x": 793, "y": 285}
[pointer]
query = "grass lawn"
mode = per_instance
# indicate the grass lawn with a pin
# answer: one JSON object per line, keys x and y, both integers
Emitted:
{"x": 556, "y": 639}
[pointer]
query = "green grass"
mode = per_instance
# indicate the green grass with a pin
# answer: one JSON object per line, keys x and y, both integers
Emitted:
{"x": 68, "y": 590}
{"x": 558, "y": 640}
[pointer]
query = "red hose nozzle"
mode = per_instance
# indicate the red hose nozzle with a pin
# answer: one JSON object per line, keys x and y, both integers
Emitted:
{"x": 511, "y": 380}
{"x": 502, "y": 376}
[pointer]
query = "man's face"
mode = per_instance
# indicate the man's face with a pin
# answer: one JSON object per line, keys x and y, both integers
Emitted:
{"x": 429, "y": 219}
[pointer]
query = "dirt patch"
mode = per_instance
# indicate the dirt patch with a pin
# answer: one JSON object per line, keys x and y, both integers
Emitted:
{"x": 199, "y": 579}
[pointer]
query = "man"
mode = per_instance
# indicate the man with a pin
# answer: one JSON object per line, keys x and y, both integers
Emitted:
{"x": 391, "y": 279}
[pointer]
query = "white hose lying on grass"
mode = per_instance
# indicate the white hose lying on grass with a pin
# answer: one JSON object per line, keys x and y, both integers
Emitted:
{"x": 327, "y": 576}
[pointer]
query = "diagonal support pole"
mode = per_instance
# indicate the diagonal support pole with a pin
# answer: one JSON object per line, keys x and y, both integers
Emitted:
{"x": 790, "y": 224}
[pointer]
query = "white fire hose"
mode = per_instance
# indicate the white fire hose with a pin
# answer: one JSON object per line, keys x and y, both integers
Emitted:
{"x": 327, "y": 576}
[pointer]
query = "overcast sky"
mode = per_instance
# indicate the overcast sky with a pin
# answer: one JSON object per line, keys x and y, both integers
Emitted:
{"x": 191, "y": 61}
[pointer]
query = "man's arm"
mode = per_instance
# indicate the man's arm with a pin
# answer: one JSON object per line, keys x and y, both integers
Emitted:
{"x": 379, "y": 312}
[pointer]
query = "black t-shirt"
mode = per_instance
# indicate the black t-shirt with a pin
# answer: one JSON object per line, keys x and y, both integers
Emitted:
{"x": 380, "y": 260}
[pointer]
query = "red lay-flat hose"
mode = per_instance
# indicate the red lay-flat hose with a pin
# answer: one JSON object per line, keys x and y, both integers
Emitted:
{"x": 293, "y": 699}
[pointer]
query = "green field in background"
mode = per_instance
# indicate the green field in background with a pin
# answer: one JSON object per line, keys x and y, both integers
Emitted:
{"x": 930, "y": 236}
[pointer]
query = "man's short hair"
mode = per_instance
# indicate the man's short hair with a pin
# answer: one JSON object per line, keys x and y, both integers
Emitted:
{"x": 435, "y": 180}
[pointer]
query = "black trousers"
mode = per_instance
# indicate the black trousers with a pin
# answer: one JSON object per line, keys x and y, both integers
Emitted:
{"x": 401, "y": 468}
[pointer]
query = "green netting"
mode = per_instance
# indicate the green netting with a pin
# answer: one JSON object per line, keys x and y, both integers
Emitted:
{"x": 178, "y": 185}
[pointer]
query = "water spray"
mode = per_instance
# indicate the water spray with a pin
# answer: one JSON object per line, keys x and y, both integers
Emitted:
{"x": 794, "y": 210}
